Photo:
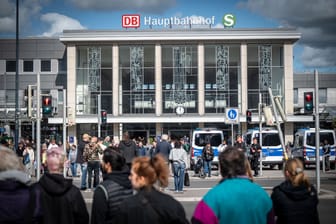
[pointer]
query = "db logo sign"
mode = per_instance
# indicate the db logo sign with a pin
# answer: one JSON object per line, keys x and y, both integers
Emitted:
{"x": 131, "y": 21}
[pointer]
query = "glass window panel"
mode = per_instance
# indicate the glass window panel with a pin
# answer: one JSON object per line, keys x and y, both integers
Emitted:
{"x": 323, "y": 96}
{"x": 10, "y": 66}
{"x": 28, "y": 66}
{"x": 45, "y": 66}
{"x": 106, "y": 57}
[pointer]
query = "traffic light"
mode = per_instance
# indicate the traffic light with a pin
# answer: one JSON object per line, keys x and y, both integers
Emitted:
{"x": 248, "y": 116}
{"x": 103, "y": 116}
{"x": 308, "y": 102}
{"x": 46, "y": 106}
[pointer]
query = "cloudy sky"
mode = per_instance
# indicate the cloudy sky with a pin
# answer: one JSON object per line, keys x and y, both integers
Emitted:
{"x": 315, "y": 19}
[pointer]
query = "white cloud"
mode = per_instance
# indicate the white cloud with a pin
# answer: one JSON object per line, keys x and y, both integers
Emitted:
{"x": 314, "y": 19}
{"x": 150, "y": 6}
{"x": 58, "y": 23}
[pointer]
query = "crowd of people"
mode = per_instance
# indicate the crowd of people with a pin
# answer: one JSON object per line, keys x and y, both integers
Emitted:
{"x": 133, "y": 181}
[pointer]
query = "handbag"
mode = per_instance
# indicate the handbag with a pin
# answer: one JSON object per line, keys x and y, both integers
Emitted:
{"x": 186, "y": 179}
{"x": 26, "y": 159}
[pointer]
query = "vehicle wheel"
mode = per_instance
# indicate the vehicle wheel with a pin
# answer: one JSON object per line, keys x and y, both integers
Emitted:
{"x": 280, "y": 166}
{"x": 332, "y": 166}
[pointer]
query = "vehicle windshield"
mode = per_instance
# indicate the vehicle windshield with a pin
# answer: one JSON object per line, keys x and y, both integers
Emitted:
{"x": 269, "y": 139}
{"x": 201, "y": 139}
{"x": 323, "y": 135}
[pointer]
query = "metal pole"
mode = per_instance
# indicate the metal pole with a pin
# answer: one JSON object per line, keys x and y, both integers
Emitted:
{"x": 99, "y": 116}
{"x": 64, "y": 127}
{"x": 38, "y": 127}
{"x": 317, "y": 132}
{"x": 17, "y": 81}
{"x": 278, "y": 124}
{"x": 232, "y": 135}
{"x": 260, "y": 131}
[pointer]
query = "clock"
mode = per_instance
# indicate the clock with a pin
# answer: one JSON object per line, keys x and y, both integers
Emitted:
{"x": 179, "y": 110}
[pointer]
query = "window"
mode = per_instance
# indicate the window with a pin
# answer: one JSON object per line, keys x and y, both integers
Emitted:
{"x": 295, "y": 93}
{"x": 10, "y": 66}
{"x": 28, "y": 66}
{"x": 45, "y": 66}
{"x": 322, "y": 95}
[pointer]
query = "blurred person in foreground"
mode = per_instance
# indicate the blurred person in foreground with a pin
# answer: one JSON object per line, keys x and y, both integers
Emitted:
{"x": 295, "y": 200}
{"x": 149, "y": 205}
{"x": 115, "y": 187}
{"x": 18, "y": 199}
{"x": 236, "y": 199}
{"x": 62, "y": 202}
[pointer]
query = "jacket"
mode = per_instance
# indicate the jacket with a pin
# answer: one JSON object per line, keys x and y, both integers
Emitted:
{"x": 15, "y": 192}
{"x": 80, "y": 152}
{"x": 108, "y": 195}
{"x": 295, "y": 204}
{"x": 61, "y": 201}
{"x": 151, "y": 206}
{"x": 234, "y": 201}
{"x": 128, "y": 149}
{"x": 164, "y": 148}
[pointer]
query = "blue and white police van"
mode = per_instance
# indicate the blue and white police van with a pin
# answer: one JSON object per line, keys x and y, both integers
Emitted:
{"x": 305, "y": 147}
{"x": 202, "y": 136}
{"x": 272, "y": 152}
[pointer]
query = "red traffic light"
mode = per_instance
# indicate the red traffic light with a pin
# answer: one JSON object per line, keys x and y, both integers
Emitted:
{"x": 46, "y": 101}
{"x": 308, "y": 97}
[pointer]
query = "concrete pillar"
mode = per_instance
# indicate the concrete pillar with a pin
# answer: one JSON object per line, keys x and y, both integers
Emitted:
{"x": 201, "y": 101}
{"x": 158, "y": 80}
{"x": 71, "y": 85}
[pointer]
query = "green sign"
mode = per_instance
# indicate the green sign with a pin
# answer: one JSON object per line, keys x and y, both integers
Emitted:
{"x": 229, "y": 20}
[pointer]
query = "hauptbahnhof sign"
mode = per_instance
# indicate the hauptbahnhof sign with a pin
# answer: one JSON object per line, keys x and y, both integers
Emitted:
{"x": 134, "y": 21}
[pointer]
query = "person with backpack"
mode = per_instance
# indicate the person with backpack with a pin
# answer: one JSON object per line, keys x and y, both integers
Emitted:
{"x": 115, "y": 187}
{"x": 61, "y": 201}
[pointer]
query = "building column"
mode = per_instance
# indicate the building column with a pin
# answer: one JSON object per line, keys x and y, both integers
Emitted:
{"x": 115, "y": 81}
{"x": 158, "y": 80}
{"x": 289, "y": 135}
{"x": 288, "y": 88}
{"x": 201, "y": 102}
{"x": 242, "y": 85}
{"x": 71, "y": 86}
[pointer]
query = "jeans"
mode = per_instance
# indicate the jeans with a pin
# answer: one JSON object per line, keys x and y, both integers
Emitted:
{"x": 207, "y": 167}
{"x": 93, "y": 166}
{"x": 73, "y": 167}
{"x": 84, "y": 174}
{"x": 179, "y": 169}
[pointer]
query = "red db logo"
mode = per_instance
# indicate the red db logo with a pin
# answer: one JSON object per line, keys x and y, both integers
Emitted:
{"x": 131, "y": 21}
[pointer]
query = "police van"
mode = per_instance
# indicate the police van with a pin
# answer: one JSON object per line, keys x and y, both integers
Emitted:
{"x": 202, "y": 136}
{"x": 272, "y": 152}
{"x": 305, "y": 147}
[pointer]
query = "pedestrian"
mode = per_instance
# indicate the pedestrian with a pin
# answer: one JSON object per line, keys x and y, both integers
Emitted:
{"x": 81, "y": 160}
{"x": 62, "y": 202}
{"x": 19, "y": 151}
{"x": 44, "y": 149}
{"x": 91, "y": 154}
{"x": 207, "y": 156}
{"x": 72, "y": 155}
{"x": 240, "y": 143}
{"x": 142, "y": 150}
{"x": 222, "y": 146}
{"x": 29, "y": 152}
{"x": 295, "y": 200}
{"x": 163, "y": 147}
{"x": 115, "y": 187}
{"x": 236, "y": 199}
{"x": 128, "y": 149}
{"x": 255, "y": 151}
{"x": 52, "y": 144}
{"x": 326, "y": 154}
{"x": 179, "y": 158}
{"x": 19, "y": 203}
{"x": 150, "y": 205}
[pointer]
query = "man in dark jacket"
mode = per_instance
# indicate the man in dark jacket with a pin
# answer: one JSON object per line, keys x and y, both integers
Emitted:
{"x": 128, "y": 149}
{"x": 81, "y": 161}
{"x": 113, "y": 190}
{"x": 164, "y": 147}
{"x": 62, "y": 202}
{"x": 18, "y": 200}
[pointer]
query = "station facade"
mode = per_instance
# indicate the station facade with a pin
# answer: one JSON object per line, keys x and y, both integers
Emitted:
{"x": 171, "y": 81}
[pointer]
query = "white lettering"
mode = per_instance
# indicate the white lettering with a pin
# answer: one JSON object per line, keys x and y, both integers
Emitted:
{"x": 229, "y": 20}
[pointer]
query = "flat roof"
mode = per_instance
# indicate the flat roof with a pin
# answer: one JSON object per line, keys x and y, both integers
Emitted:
{"x": 283, "y": 34}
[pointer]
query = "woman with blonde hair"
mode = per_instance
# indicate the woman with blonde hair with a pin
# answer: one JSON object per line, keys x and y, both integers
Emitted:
{"x": 150, "y": 205}
{"x": 295, "y": 200}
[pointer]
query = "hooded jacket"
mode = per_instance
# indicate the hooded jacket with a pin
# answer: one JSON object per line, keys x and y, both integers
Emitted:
{"x": 295, "y": 204}
{"x": 109, "y": 194}
{"x": 128, "y": 150}
{"x": 15, "y": 198}
{"x": 61, "y": 201}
